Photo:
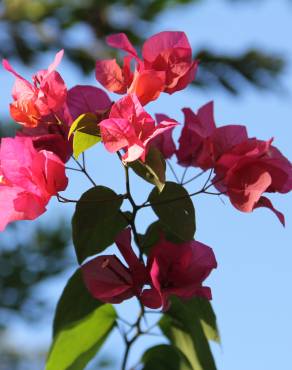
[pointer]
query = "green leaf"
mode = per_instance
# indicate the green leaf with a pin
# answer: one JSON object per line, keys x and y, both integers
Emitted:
{"x": 175, "y": 210}
{"x": 152, "y": 236}
{"x": 86, "y": 123}
{"x": 97, "y": 221}
{"x": 202, "y": 308}
{"x": 184, "y": 329}
{"x": 81, "y": 325}
{"x": 82, "y": 142}
{"x": 164, "y": 357}
{"x": 153, "y": 169}
{"x": 86, "y": 133}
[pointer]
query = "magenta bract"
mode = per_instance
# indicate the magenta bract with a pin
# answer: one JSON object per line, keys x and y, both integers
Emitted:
{"x": 28, "y": 179}
{"x": 178, "y": 269}
{"x": 131, "y": 128}
{"x": 167, "y": 66}
{"x": 250, "y": 169}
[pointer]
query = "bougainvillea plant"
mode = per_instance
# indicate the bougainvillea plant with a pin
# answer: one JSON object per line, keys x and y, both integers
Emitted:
{"x": 165, "y": 268}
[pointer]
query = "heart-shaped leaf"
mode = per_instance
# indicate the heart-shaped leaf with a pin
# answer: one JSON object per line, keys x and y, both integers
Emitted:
{"x": 175, "y": 210}
{"x": 97, "y": 221}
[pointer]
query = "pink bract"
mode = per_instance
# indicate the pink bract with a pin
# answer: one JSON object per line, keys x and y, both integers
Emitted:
{"x": 178, "y": 269}
{"x": 87, "y": 99}
{"x": 109, "y": 280}
{"x": 28, "y": 179}
{"x": 131, "y": 128}
{"x": 250, "y": 169}
{"x": 201, "y": 143}
{"x": 164, "y": 142}
{"x": 34, "y": 102}
{"x": 167, "y": 66}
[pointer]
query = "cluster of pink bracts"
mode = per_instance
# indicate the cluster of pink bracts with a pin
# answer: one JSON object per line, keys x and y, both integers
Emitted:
{"x": 32, "y": 165}
{"x": 172, "y": 269}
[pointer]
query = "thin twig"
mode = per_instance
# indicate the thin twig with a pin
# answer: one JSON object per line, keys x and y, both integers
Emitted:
{"x": 124, "y": 321}
{"x": 194, "y": 177}
{"x": 65, "y": 200}
{"x": 201, "y": 191}
{"x": 83, "y": 160}
{"x": 83, "y": 169}
{"x": 208, "y": 179}
{"x": 130, "y": 342}
{"x": 128, "y": 196}
{"x": 135, "y": 210}
{"x": 73, "y": 169}
{"x": 183, "y": 175}
{"x": 172, "y": 170}
{"x": 62, "y": 199}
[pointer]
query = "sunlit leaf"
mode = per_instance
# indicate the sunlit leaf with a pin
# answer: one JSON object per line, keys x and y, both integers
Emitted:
{"x": 82, "y": 142}
{"x": 204, "y": 311}
{"x": 86, "y": 133}
{"x": 81, "y": 325}
{"x": 184, "y": 329}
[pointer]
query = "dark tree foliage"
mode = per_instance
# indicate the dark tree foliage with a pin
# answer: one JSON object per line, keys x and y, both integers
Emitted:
{"x": 28, "y": 28}
{"x": 27, "y": 260}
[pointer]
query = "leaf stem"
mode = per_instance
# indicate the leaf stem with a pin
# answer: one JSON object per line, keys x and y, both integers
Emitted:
{"x": 193, "y": 178}
{"x": 183, "y": 175}
{"x": 83, "y": 169}
{"x": 173, "y": 171}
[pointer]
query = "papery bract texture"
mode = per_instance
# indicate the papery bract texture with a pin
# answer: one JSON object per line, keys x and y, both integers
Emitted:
{"x": 250, "y": 169}
{"x": 87, "y": 99}
{"x": 28, "y": 179}
{"x": 131, "y": 128}
{"x": 35, "y": 102}
{"x": 109, "y": 280}
{"x": 166, "y": 66}
{"x": 164, "y": 142}
{"x": 170, "y": 52}
{"x": 201, "y": 143}
{"x": 178, "y": 269}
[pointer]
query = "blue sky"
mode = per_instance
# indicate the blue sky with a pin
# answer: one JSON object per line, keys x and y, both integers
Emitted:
{"x": 251, "y": 287}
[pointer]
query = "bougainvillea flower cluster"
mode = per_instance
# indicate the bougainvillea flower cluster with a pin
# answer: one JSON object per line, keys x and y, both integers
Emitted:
{"x": 172, "y": 269}
{"x": 129, "y": 126}
{"x": 32, "y": 165}
{"x": 250, "y": 169}
{"x": 109, "y": 280}
{"x": 37, "y": 101}
{"x": 178, "y": 269}
{"x": 166, "y": 66}
{"x": 245, "y": 167}
{"x": 201, "y": 142}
